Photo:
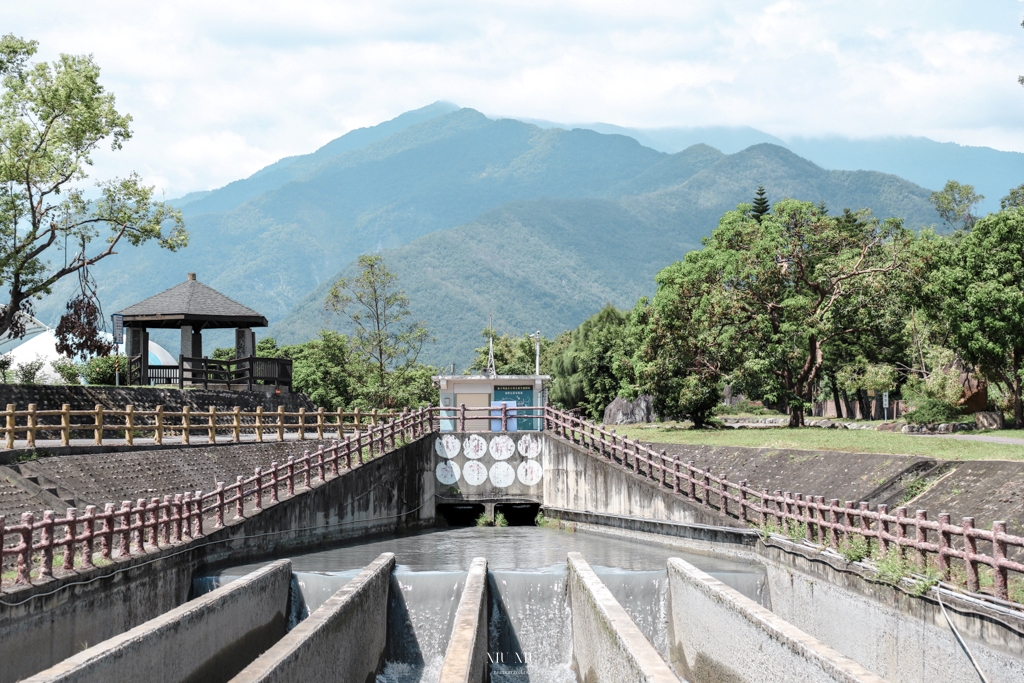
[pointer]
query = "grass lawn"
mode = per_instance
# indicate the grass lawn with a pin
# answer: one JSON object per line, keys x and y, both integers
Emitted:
{"x": 850, "y": 441}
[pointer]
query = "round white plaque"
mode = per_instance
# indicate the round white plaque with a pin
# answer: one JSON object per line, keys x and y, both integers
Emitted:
{"x": 475, "y": 447}
{"x": 502, "y": 447}
{"x": 447, "y": 472}
{"x": 474, "y": 472}
{"x": 529, "y": 446}
{"x": 502, "y": 475}
{"x": 530, "y": 472}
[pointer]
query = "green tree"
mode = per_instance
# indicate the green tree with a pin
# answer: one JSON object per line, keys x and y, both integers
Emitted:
{"x": 383, "y": 328}
{"x": 977, "y": 290}
{"x": 324, "y": 370}
{"x": 52, "y": 118}
{"x": 587, "y": 372}
{"x": 761, "y": 205}
{"x": 955, "y": 204}
{"x": 517, "y": 355}
{"x": 1014, "y": 199}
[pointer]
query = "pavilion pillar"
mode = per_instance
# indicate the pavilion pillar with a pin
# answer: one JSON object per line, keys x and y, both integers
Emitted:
{"x": 245, "y": 342}
{"x": 191, "y": 347}
{"x": 136, "y": 345}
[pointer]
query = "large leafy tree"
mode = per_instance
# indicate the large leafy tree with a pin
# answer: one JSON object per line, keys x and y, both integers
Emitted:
{"x": 977, "y": 292}
{"x": 517, "y": 355}
{"x": 779, "y": 292}
{"x": 383, "y": 329}
{"x": 52, "y": 118}
{"x": 588, "y": 372}
{"x": 956, "y": 203}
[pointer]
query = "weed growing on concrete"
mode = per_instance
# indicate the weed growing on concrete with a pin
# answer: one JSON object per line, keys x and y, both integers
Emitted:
{"x": 768, "y": 528}
{"x": 796, "y": 532}
{"x": 483, "y": 520}
{"x": 854, "y": 548}
{"x": 926, "y": 580}
{"x": 914, "y": 489}
{"x": 892, "y": 568}
{"x": 1016, "y": 589}
{"x": 499, "y": 519}
{"x": 541, "y": 520}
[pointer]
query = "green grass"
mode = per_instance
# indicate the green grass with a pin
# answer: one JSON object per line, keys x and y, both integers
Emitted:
{"x": 843, "y": 440}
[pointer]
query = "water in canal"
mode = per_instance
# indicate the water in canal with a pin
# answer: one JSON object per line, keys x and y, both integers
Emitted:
{"x": 530, "y": 635}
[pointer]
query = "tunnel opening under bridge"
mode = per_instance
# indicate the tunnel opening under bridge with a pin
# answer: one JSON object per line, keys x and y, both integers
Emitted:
{"x": 460, "y": 514}
{"x": 518, "y": 514}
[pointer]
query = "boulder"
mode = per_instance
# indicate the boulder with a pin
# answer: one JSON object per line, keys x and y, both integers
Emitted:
{"x": 623, "y": 412}
{"x": 988, "y": 420}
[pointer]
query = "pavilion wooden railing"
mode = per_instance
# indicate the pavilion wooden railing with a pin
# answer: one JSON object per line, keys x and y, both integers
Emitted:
{"x": 952, "y": 550}
{"x": 179, "y": 426}
{"x": 250, "y": 370}
{"x": 30, "y": 548}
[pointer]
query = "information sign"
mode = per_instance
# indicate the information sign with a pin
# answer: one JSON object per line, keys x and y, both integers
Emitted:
{"x": 118, "y": 320}
{"x": 523, "y": 397}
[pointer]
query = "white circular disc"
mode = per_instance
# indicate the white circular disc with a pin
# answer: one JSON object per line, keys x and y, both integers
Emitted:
{"x": 447, "y": 472}
{"x": 529, "y": 446}
{"x": 474, "y": 473}
{"x": 475, "y": 447}
{"x": 502, "y": 475}
{"x": 502, "y": 447}
{"x": 530, "y": 472}
{"x": 448, "y": 446}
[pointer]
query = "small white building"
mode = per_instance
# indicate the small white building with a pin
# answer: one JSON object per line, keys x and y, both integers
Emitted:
{"x": 492, "y": 391}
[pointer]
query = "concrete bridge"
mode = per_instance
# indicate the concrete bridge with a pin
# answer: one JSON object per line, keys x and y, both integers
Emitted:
{"x": 112, "y": 594}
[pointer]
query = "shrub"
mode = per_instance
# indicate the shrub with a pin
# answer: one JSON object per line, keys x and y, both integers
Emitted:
{"x": 854, "y": 548}
{"x": 483, "y": 520}
{"x": 499, "y": 519}
{"x": 100, "y": 370}
{"x": 67, "y": 370}
{"x": 931, "y": 411}
{"x": 30, "y": 372}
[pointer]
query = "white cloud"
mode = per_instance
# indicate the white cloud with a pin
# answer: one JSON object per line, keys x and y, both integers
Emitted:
{"x": 219, "y": 90}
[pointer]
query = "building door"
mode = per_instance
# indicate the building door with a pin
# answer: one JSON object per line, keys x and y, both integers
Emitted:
{"x": 476, "y": 420}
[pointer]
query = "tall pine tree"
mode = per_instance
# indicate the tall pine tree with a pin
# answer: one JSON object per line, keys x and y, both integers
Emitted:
{"x": 761, "y": 206}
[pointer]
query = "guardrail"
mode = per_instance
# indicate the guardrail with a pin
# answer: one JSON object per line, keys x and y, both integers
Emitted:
{"x": 148, "y": 526}
{"x": 826, "y": 523}
{"x": 128, "y": 424}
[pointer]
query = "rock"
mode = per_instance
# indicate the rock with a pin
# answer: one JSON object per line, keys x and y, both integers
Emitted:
{"x": 943, "y": 428}
{"x": 623, "y": 412}
{"x": 988, "y": 420}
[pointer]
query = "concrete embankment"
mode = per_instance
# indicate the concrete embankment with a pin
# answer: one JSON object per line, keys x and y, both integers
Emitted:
{"x": 466, "y": 661}
{"x": 607, "y": 647}
{"x": 343, "y": 640}
{"x": 208, "y": 639}
{"x": 717, "y": 634}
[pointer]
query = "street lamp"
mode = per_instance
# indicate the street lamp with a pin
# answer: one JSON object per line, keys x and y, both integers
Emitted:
{"x": 536, "y": 336}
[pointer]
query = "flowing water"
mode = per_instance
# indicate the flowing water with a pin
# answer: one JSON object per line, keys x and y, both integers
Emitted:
{"x": 530, "y": 629}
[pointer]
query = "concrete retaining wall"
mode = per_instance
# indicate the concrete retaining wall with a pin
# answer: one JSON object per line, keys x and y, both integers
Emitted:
{"x": 465, "y": 660}
{"x": 392, "y": 493}
{"x": 343, "y": 640}
{"x": 717, "y": 634}
{"x": 577, "y": 481}
{"x": 900, "y": 637}
{"x": 607, "y": 647}
{"x": 208, "y": 639}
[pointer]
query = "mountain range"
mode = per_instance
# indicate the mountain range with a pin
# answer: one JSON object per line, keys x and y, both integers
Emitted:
{"x": 537, "y": 225}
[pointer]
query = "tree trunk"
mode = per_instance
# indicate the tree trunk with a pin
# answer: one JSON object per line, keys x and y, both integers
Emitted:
{"x": 865, "y": 404}
{"x": 835, "y": 395}
{"x": 1018, "y": 406}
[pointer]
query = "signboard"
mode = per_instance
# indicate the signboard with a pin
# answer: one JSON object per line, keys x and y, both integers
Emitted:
{"x": 523, "y": 396}
{"x": 118, "y": 321}
{"x": 885, "y": 399}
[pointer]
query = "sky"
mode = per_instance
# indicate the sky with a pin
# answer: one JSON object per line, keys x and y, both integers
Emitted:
{"x": 220, "y": 89}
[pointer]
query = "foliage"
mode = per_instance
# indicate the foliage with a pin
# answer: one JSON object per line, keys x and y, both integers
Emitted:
{"x": 224, "y": 353}
{"x": 483, "y": 520}
{"x": 52, "y": 118}
{"x": 744, "y": 407}
{"x": 588, "y": 373}
{"x": 892, "y": 568}
{"x": 854, "y": 548}
{"x": 68, "y": 371}
{"x": 1013, "y": 200}
{"x": 518, "y": 355}
{"x": 30, "y": 372}
{"x": 955, "y": 204}
{"x": 867, "y": 376}
{"x": 499, "y": 520}
{"x": 100, "y": 370}
{"x": 760, "y": 207}
{"x": 977, "y": 292}
{"x": 383, "y": 329}
{"x": 322, "y": 369}
{"x": 932, "y": 411}
{"x": 6, "y": 360}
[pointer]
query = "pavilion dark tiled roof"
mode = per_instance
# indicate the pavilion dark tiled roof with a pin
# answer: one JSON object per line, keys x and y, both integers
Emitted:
{"x": 192, "y": 301}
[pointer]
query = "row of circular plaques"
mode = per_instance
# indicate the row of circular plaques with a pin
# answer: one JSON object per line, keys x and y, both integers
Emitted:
{"x": 475, "y": 473}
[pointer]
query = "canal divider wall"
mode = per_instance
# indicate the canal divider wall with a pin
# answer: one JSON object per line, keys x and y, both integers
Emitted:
{"x": 208, "y": 639}
{"x": 718, "y": 634}
{"x": 607, "y": 646}
{"x": 343, "y": 640}
{"x": 465, "y": 660}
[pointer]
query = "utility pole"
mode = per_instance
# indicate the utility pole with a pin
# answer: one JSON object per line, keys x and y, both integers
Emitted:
{"x": 536, "y": 336}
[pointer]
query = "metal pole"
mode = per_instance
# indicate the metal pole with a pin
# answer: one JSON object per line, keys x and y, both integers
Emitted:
{"x": 117, "y": 361}
{"x": 536, "y": 335}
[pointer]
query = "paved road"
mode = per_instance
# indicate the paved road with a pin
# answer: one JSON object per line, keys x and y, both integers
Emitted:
{"x": 977, "y": 437}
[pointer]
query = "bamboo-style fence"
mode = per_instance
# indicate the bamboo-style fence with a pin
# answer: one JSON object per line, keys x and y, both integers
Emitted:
{"x": 104, "y": 425}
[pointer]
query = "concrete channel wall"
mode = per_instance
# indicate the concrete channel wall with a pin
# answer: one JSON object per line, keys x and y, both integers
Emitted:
{"x": 717, "y": 634}
{"x": 465, "y": 660}
{"x": 607, "y": 646}
{"x": 343, "y": 640}
{"x": 901, "y": 637}
{"x": 208, "y": 639}
{"x": 48, "y": 622}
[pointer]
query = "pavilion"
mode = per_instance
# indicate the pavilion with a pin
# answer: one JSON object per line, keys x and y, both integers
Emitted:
{"x": 193, "y": 307}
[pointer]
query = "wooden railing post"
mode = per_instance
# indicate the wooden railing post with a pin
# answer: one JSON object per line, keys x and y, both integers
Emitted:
{"x": 11, "y": 414}
{"x": 970, "y": 550}
{"x": 259, "y": 423}
{"x": 129, "y": 425}
{"x": 302, "y": 424}
{"x": 65, "y": 424}
{"x": 98, "y": 431}
{"x": 462, "y": 417}
{"x": 373, "y": 418}
{"x": 158, "y": 434}
{"x": 212, "y": 424}
{"x": 280, "y": 423}
{"x": 236, "y": 424}
{"x": 341, "y": 423}
{"x": 504, "y": 417}
{"x": 186, "y": 423}
{"x": 30, "y": 431}
{"x": 320, "y": 423}
{"x": 999, "y": 573}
